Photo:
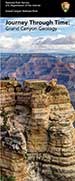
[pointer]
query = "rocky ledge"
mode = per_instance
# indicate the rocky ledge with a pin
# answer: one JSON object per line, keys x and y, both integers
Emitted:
{"x": 37, "y": 131}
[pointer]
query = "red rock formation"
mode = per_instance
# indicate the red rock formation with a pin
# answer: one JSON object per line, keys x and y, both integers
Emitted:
{"x": 44, "y": 118}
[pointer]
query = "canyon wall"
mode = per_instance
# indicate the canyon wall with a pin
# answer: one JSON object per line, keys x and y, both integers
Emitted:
{"x": 41, "y": 139}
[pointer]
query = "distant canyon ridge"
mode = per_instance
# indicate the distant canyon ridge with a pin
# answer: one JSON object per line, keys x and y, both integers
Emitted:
{"x": 40, "y": 66}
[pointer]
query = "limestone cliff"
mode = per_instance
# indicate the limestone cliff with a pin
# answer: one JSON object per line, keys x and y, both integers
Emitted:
{"x": 40, "y": 141}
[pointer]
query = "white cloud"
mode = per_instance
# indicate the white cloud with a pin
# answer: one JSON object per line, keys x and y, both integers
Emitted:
{"x": 25, "y": 42}
{"x": 25, "y": 39}
{"x": 7, "y": 42}
{"x": 38, "y": 44}
{"x": 57, "y": 36}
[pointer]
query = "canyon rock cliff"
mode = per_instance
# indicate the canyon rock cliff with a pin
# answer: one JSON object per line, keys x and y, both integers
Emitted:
{"x": 37, "y": 131}
{"x": 40, "y": 66}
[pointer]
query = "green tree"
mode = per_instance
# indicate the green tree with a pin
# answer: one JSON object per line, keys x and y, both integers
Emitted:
{"x": 11, "y": 178}
{"x": 5, "y": 119}
{"x": 2, "y": 178}
{"x": 5, "y": 178}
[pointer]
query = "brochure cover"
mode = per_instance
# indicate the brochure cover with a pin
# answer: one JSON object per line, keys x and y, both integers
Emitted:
{"x": 37, "y": 91}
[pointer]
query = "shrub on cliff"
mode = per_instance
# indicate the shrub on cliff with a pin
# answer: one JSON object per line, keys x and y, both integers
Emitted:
{"x": 4, "y": 114}
{"x": 5, "y": 178}
{"x": 11, "y": 178}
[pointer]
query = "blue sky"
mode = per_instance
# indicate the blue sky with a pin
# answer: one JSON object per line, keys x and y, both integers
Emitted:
{"x": 61, "y": 40}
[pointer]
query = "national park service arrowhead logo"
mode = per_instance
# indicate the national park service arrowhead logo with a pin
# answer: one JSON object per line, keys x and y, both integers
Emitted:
{"x": 65, "y": 6}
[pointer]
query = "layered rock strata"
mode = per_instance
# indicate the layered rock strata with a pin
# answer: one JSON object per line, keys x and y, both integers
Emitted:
{"x": 43, "y": 117}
